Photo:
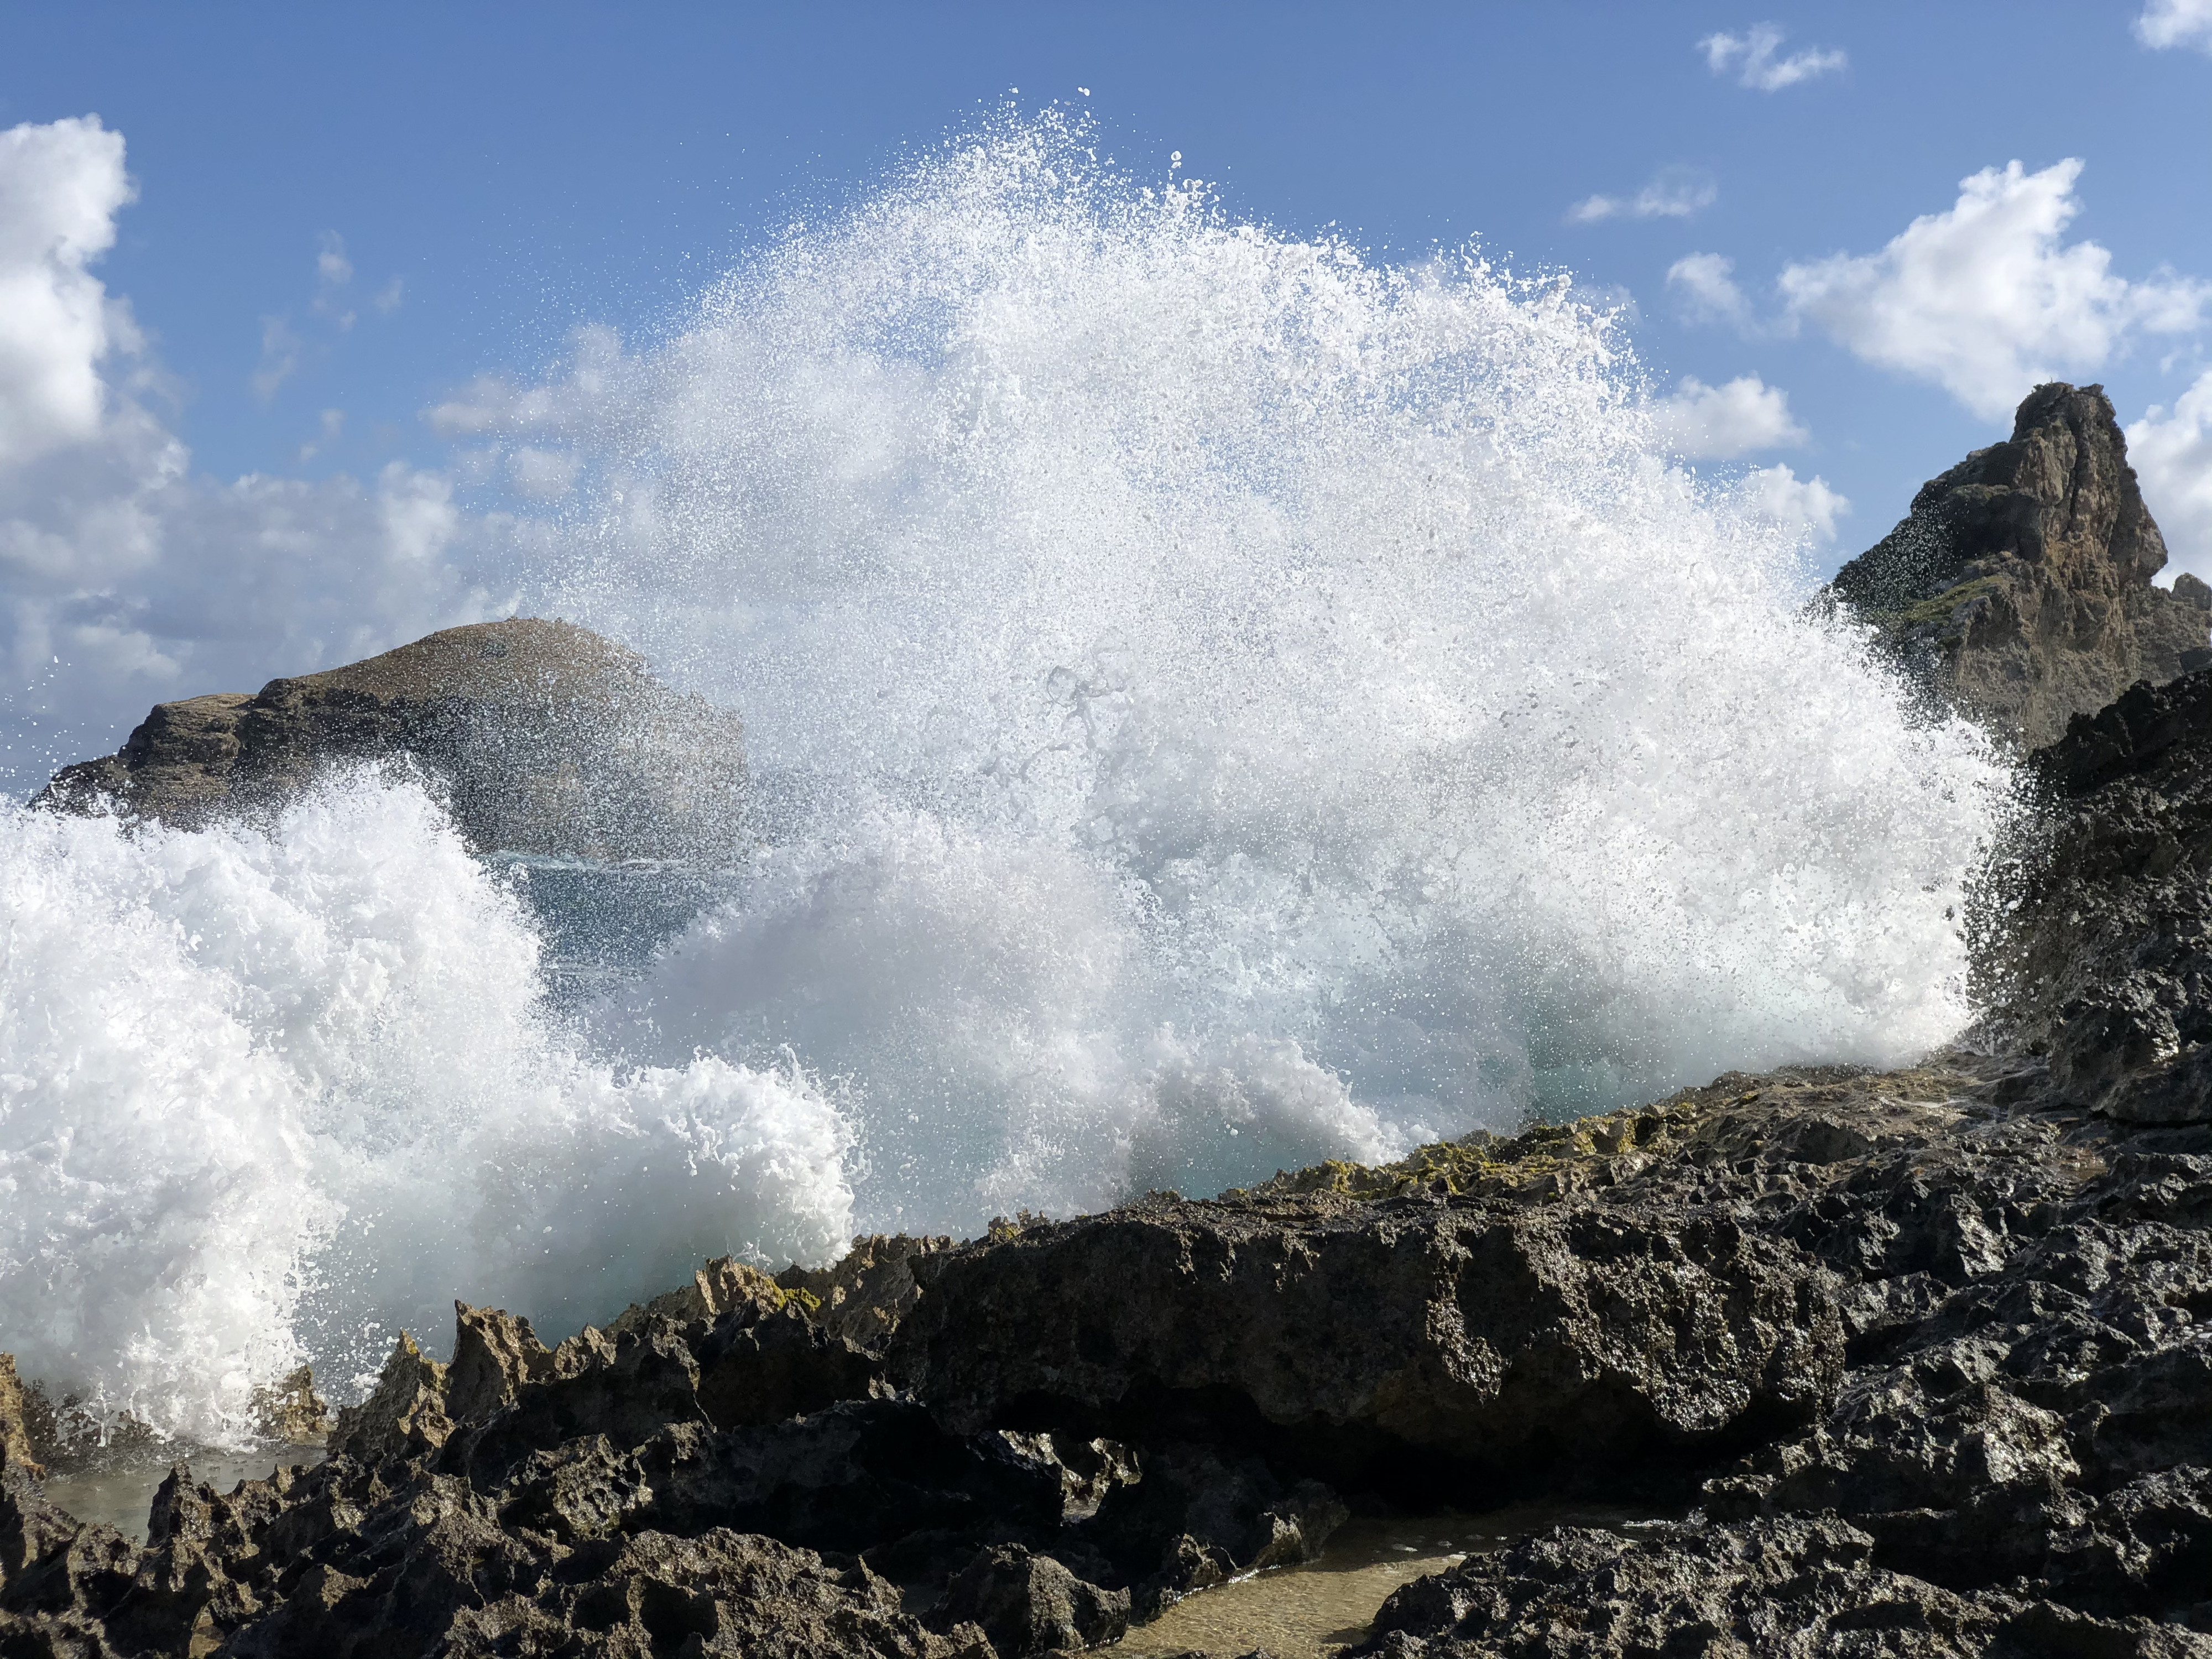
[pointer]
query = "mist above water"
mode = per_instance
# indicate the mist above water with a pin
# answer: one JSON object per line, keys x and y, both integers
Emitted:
{"x": 1216, "y": 700}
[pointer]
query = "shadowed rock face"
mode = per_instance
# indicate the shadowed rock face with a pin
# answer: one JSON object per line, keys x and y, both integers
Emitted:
{"x": 2100, "y": 959}
{"x": 1491, "y": 1334}
{"x": 545, "y": 737}
{"x": 2019, "y": 588}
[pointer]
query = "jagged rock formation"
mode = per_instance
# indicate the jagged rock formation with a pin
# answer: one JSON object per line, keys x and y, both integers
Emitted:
{"x": 14, "y": 1423}
{"x": 1792, "y": 1586}
{"x": 2019, "y": 588}
{"x": 1929, "y": 1353}
{"x": 545, "y": 737}
{"x": 2099, "y": 958}
{"x": 2018, "y": 1460}
{"x": 1487, "y": 1332}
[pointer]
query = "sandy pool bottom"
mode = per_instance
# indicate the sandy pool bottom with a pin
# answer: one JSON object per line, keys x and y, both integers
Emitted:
{"x": 1310, "y": 1610}
{"x": 120, "y": 1492}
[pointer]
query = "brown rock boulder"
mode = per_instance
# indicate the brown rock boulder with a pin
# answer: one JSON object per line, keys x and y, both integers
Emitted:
{"x": 2018, "y": 589}
{"x": 545, "y": 739}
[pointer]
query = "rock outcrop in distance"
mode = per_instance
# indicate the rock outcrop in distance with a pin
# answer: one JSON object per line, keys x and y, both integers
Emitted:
{"x": 2019, "y": 588}
{"x": 544, "y": 736}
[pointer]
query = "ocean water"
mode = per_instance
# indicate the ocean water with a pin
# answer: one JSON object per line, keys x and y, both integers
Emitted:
{"x": 1218, "y": 699}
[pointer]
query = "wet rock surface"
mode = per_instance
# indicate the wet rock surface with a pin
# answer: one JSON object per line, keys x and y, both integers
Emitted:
{"x": 16, "y": 1423}
{"x": 544, "y": 738}
{"x": 2101, "y": 962}
{"x": 2019, "y": 588}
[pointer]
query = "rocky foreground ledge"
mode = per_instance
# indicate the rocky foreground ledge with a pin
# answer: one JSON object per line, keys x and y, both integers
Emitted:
{"x": 1925, "y": 1359}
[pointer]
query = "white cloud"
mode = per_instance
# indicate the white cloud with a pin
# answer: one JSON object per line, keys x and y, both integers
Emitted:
{"x": 280, "y": 356}
{"x": 333, "y": 268}
{"x": 1706, "y": 290}
{"x": 2176, "y": 23}
{"x": 389, "y": 296}
{"x": 60, "y": 186}
{"x": 1985, "y": 300}
{"x": 1704, "y": 422}
{"x": 2172, "y": 451}
{"x": 330, "y": 427}
{"x": 1752, "y": 54}
{"x": 1805, "y": 506}
{"x": 146, "y": 581}
{"x": 1673, "y": 193}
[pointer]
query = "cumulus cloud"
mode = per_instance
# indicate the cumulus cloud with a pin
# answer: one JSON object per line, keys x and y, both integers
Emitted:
{"x": 1754, "y": 58}
{"x": 60, "y": 187}
{"x": 125, "y": 578}
{"x": 2172, "y": 450}
{"x": 1703, "y": 423}
{"x": 1805, "y": 506}
{"x": 1985, "y": 300}
{"x": 1704, "y": 285}
{"x": 2167, "y": 23}
{"x": 1673, "y": 193}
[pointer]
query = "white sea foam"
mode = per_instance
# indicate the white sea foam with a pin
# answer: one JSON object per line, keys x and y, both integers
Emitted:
{"x": 1218, "y": 701}
{"x": 1232, "y": 702}
{"x": 273, "y": 1095}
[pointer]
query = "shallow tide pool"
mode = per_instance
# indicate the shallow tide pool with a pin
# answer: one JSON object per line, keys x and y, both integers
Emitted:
{"x": 118, "y": 1492}
{"x": 1309, "y": 1611}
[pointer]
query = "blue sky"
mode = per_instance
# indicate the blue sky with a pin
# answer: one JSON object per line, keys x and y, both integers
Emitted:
{"x": 360, "y": 210}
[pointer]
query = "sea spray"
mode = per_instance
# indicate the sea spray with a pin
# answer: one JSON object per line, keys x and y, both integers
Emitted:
{"x": 1221, "y": 700}
{"x": 1216, "y": 700}
{"x": 275, "y": 1095}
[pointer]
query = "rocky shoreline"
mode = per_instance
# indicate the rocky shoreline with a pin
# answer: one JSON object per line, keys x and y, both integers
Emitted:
{"x": 1915, "y": 1362}
{"x": 1925, "y": 1358}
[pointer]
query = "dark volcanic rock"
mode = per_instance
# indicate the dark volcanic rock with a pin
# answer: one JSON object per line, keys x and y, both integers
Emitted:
{"x": 2101, "y": 960}
{"x": 864, "y": 1295}
{"x": 1494, "y": 1333}
{"x": 2019, "y": 1459}
{"x": 545, "y": 737}
{"x": 1196, "y": 1519}
{"x": 2019, "y": 588}
{"x": 853, "y": 1477}
{"x": 1030, "y": 1605}
{"x": 1798, "y": 1585}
